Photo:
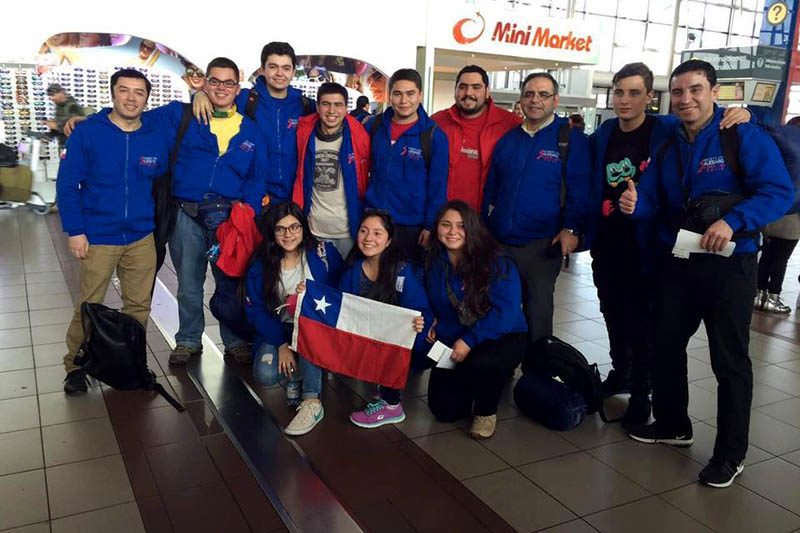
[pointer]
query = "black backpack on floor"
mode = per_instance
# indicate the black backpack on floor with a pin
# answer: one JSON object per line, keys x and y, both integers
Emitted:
{"x": 115, "y": 351}
{"x": 552, "y": 357}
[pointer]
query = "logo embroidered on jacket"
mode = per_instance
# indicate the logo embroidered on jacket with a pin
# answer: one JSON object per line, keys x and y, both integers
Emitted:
{"x": 471, "y": 153}
{"x": 711, "y": 164}
{"x": 412, "y": 153}
{"x": 247, "y": 146}
{"x": 291, "y": 123}
{"x": 148, "y": 161}
{"x": 550, "y": 156}
{"x": 351, "y": 158}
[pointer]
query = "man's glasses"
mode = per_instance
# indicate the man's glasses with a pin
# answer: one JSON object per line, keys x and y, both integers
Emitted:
{"x": 294, "y": 229}
{"x": 542, "y": 95}
{"x": 228, "y": 84}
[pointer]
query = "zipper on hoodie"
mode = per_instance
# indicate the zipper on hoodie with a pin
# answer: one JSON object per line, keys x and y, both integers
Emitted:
{"x": 280, "y": 149}
{"x": 213, "y": 172}
{"x": 127, "y": 165}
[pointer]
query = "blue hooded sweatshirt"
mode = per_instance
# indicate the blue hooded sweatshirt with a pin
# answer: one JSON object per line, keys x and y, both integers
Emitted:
{"x": 105, "y": 180}
{"x": 241, "y": 173}
{"x": 522, "y": 195}
{"x": 277, "y": 120}
{"x": 505, "y": 295}
{"x": 410, "y": 294}
{"x": 767, "y": 185}
{"x": 399, "y": 180}
{"x": 324, "y": 266}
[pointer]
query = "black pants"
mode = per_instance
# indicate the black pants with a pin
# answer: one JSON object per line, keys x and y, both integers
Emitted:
{"x": 775, "y": 255}
{"x": 719, "y": 291}
{"x": 478, "y": 380}
{"x": 538, "y": 271}
{"x": 419, "y": 362}
{"x": 407, "y": 238}
{"x": 626, "y": 301}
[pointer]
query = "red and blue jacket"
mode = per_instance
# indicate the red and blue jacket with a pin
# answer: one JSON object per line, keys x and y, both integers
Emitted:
{"x": 353, "y": 160}
{"x": 105, "y": 180}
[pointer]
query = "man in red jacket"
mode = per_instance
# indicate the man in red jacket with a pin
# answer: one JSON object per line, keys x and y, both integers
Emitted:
{"x": 473, "y": 125}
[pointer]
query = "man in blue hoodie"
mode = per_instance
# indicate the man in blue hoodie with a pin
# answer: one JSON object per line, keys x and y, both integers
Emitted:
{"x": 276, "y": 107}
{"x": 691, "y": 183}
{"x": 105, "y": 201}
{"x": 409, "y": 164}
{"x": 535, "y": 202}
{"x": 220, "y": 163}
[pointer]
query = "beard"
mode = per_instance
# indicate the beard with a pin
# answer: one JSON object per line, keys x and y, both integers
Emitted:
{"x": 474, "y": 111}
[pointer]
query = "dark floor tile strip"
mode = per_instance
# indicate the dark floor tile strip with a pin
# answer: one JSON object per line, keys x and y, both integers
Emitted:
{"x": 283, "y": 474}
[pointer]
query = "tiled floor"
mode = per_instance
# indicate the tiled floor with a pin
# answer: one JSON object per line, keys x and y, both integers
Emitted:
{"x": 121, "y": 462}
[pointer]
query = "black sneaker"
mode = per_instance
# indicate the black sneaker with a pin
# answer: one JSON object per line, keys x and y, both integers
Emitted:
{"x": 76, "y": 382}
{"x": 615, "y": 383}
{"x": 654, "y": 434}
{"x": 242, "y": 354}
{"x": 638, "y": 411}
{"x": 720, "y": 474}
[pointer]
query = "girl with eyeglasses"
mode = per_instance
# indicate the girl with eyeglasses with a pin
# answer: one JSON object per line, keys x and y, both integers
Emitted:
{"x": 288, "y": 255}
{"x": 375, "y": 269}
{"x": 476, "y": 296}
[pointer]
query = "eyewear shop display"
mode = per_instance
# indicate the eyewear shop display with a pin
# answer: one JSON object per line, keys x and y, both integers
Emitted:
{"x": 25, "y": 106}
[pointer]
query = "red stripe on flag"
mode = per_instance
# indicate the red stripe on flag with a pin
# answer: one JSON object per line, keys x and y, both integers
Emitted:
{"x": 353, "y": 355}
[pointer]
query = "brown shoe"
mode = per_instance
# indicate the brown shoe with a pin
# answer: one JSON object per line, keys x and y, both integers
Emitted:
{"x": 483, "y": 426}
{"x": 181, "y": 354}
{"x": 242, "y": 354}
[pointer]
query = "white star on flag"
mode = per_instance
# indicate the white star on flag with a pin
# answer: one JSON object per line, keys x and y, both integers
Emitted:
{"x": 322, "y": 305}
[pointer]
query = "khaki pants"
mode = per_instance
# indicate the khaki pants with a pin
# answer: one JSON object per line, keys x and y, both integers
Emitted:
{"x": 136, "y": 267}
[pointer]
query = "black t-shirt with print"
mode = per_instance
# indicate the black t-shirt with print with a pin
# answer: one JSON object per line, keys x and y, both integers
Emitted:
{"x": 625, "y": 158}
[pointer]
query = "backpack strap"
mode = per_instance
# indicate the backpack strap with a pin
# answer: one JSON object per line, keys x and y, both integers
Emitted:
{"x": 252, "y": 103}
{"x": 426, "y": 143}
{"x": 563, "y": 153}
{"x": 159, "y": 388}
{"x": 186, "y": 118}
{"x": 376, "y": 123}
{"x": 308, "y": 105}
{"x": 729, "y": 139}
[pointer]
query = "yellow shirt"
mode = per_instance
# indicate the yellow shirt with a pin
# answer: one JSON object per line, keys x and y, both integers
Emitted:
{"x": 225, "y": 129}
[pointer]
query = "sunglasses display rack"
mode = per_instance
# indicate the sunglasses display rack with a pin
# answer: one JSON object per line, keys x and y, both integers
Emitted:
{"x": 26, "y": 107}
{"x": 310, "y": 87}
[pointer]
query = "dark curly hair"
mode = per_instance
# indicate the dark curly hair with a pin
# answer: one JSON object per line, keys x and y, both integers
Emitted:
{"x": 479, "y": 260}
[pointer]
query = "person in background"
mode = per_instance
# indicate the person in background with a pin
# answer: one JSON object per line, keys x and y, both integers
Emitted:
{"x": 288, "y": 255}
{"x": 66, "y": 108}
{"x": 361, "y": 112}
{"x": 476, "y": 297}
{"x": 576, "y": 121}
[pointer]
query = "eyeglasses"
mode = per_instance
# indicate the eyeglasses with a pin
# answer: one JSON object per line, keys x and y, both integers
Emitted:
{"x": 294, "y": 229}
{"x": 228, "y": 84}
{"x": 543, "y": 96}
{"x": 195, "y": 72}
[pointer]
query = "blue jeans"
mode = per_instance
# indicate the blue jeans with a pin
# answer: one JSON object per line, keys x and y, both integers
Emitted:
{"x": 187, "y": 247}
{"x": 265, "y": 370}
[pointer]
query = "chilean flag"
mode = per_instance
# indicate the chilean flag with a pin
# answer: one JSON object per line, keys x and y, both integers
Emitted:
{"x": 354, "y": 336}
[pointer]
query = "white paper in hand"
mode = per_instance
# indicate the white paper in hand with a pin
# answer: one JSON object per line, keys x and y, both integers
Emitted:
{"x": 688, "y": 242}
{"x": 441, "y": 354}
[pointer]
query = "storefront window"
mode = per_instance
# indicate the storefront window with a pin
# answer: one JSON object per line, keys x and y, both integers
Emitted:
{"x": 630, "y": 33}
{"x": 662, "y": 11}
{"x": 632, "y": 9}
{"x": 658, "y": 37}
{"x": 717, "y": 18}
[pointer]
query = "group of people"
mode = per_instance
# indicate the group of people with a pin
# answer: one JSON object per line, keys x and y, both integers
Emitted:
{"x": 465, "y": 217}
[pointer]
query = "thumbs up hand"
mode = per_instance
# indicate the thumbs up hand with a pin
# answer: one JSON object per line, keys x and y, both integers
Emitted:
{"x": 627, "y": 202}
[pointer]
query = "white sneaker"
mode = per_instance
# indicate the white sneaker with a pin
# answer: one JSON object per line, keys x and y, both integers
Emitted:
{"x": 309, "y": 413}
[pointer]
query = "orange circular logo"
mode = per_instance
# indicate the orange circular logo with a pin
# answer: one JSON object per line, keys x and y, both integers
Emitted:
{"x": 458, "y": 29}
